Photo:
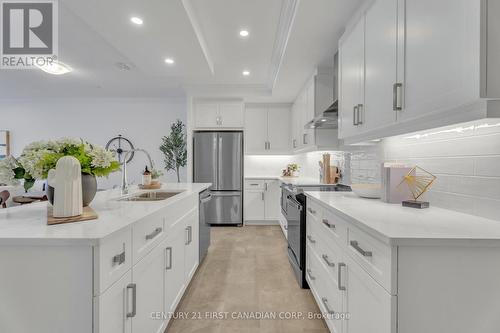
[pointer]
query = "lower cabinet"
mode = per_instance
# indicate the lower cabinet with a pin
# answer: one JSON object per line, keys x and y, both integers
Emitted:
{"x": 145, "y": 296}
{"x": 262, "y": 200}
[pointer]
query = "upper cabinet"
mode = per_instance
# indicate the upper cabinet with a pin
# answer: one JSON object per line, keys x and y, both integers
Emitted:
{"x": 218, "y": 114}
{"x": 408, "y": 65}
{"x": 267, "y": 129}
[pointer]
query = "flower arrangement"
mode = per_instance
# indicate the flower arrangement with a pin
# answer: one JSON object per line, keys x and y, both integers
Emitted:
{"x": 39, "y": 157}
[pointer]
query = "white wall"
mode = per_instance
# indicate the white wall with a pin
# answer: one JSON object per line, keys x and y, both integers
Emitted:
{"x": 143, "y": 121}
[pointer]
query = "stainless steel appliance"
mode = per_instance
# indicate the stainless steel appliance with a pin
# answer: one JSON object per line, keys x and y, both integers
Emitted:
{"x": 293, "y": 207}
{"x": 218, "y": 159}
{"x": 204, "y": 232}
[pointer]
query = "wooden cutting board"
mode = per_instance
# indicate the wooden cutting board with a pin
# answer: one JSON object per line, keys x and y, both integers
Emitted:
{"x": 88, "y": 214}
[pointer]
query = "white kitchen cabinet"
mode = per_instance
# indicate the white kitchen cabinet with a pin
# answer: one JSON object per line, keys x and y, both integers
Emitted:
{"x": 115, "y": 306}
{"x": 148, "y": 278}
{"x": 262, "y": 200}
{"x": 175, "y": 282}
{"x": 371, "y": 308}
{"x": 409, "y": 65}
{"x": 192, "y": 244}
{"x": 254, "y": 205}
{"x": 267, "y": 129}
{"x": 352, "y": 76}
{"x": 380, "y": 60}
{"x": 218, "y": 114}
{"x": 272, "y": 196}
{"x": 278, "y": 129}
{"x": 255, "y": 130}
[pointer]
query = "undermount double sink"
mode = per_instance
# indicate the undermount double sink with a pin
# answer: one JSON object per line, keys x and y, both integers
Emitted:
{"x": 151, "y": 196}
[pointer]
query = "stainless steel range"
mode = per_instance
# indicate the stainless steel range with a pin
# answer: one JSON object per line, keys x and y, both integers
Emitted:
{"x": 293, "y": 207}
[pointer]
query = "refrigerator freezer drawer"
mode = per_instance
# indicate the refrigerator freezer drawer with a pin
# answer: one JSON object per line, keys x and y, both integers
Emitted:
{"x": 224, "y": 208}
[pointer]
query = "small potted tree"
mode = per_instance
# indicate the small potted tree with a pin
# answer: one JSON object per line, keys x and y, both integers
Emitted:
{"x": 174, "y": 148}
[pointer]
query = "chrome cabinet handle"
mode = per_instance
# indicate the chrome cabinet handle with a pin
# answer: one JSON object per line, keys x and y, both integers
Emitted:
{"x": 168, "y": 252}
{"x": 155, "y": 233}
{"x": 262, "y": 195}
{"x": 190, "y": 234}
{"x": 133, "y": 287}
{"x": 339, "y": 276}
{"x": 187, "y": 236}
{"x": 397, "y": 96}
{"x": 304, "y": 138}
{"x": 310, "y": 275}
{"x": 119, "y": 258}
{"x": 312, "y": 211}
{"x": 265, "y": 186}
{"x": 294, "y": 143}
{"x": 324, "y": 300}
{"x": 268, "y": 145}
{"x": 364, "y": 253}
{"x": 361, "y": 109}
{"x": 354, "y": 116}
{"x": 328, "y": 224}
{"x": 328, "y": 262}
{"x": 311, "y": 239}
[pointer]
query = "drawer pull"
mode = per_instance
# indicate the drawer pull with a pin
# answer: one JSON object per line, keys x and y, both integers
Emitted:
{"x": 254, "y": 184}
{"x": 328, "y": 262}
{"x": 364, "y": 253}
{"x": 310, "y": 275}
{"x": 324, "y": 300}
{"x": 312, "y": 211}
{"x": 339, "y": 276}
{"x": 133, "y": 286}
{"x": 119, "y": 258}
{"x": 328, "y": 224}
{"x": 155, "y": 233}
{"x": 169, "y": 256}
{"x": 311, "y": 239}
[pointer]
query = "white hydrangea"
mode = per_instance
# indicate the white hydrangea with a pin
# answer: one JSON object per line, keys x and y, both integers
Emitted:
{"x": 101, "y": 158}
{"x": 29, "y": 160}
{"x": 6, "y": 171}
{"x": 64, "y": 142}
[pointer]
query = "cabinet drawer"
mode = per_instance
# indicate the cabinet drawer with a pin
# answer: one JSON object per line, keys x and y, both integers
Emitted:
{"x": 254, "y": 184}
{"x": 334, "y": 228}
{"x": 376, "y": 258}
{"x": 314, "y": 210}
{"x": 112, "y": 259}
{"x": 146, "y": 234}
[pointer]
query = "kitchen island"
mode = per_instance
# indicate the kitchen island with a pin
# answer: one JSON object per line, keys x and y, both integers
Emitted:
{"x": 123, "y": 272}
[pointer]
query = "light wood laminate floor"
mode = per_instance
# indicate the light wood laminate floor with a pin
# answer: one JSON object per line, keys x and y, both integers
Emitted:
{"x": 246, "y": 270}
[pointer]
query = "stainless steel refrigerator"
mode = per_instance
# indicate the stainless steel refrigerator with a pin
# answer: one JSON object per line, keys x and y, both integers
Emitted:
{"x": 218, "y": 159}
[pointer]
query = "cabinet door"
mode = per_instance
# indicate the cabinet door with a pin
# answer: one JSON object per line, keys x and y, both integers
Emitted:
{"x": 278, "y": 120}
{"x": 380, "y": 64}
{"x": 309, "y": 112}
{"x": 272, "y": 197}
{"x": 293, "y": 125}
{"x": 191, "y": 251}
{"x": 441, "y": 49}
{"x": 148, "y": 275}
{"x": 173, "y": 249}
{"x": 114, "y": 304}
{"x": 351, "y": 70}
{"x": 255, "y": 130}
{"x": 301, "y": 118}
{"x": 206, "y": 115}
{"x": 231, "y": 115}
{"x": 371, "y": 307}
{"x": 254, "y": 205}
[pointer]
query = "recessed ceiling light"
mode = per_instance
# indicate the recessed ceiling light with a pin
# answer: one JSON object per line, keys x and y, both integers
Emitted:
{"x": 246, "y": 73}
{"x": 55, "y": 68}
{"x": 136, "y": 20}
{"x": 244, "y": 33}
{"x": 169, "y": 61}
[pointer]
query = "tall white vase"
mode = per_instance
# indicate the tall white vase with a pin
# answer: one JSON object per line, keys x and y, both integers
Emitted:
{"x": 68, "y": 187}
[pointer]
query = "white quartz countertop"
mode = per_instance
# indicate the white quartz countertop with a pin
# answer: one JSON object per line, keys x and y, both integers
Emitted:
{"x": 297, "y": 181}
{"x": 398, "y": 225}
{"x": 28, "y": 224}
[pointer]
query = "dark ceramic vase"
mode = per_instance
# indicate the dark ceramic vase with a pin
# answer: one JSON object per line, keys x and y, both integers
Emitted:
{"x": 89, "y": 189}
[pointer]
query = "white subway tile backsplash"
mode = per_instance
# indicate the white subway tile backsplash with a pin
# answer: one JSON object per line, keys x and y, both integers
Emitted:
{"x": 487, "y": 166}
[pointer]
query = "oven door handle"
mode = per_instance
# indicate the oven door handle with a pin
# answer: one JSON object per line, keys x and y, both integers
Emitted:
{"x": 294, "y": 204}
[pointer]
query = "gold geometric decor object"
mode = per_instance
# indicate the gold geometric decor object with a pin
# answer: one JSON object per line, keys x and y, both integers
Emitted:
{"x": 418, "y": 181}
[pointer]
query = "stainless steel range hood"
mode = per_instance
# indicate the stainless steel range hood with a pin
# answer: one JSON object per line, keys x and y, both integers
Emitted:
{"x": 327, "y": 120}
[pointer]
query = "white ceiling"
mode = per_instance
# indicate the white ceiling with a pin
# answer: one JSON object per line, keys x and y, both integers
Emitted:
{"x": 288, "y": 39}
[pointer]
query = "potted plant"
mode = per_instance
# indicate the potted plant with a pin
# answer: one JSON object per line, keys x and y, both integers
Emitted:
{"x": 39, "y": 157}
{"x": 174, "y": 149}
{"x": 155, "y": 176}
